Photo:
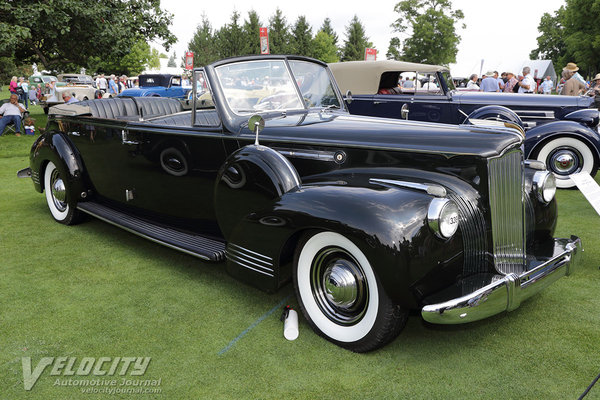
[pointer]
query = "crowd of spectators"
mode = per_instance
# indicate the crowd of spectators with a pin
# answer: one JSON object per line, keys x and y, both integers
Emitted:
{"x": 570, "y": 84}
{"x": 114, "y": 84}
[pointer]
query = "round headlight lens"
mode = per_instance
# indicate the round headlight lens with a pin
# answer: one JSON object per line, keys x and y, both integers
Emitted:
{"x": 544, "y": 184}
{"x": 443, "y": 217}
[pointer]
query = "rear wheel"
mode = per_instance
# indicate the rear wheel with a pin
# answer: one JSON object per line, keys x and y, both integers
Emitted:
{"x": 565, "y": 156}
{"x": 62, "y": 208}
{"x": 340, "y": 295}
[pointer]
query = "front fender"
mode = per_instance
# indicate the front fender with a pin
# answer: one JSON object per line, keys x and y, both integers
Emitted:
{"x": 535, "y": 137}
{"x": 56, "y": 147}
{"x": 389, "y": 225}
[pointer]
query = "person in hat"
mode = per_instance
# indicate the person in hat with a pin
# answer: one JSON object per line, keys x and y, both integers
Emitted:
{"x": 572, "y": 67}
{"x": 489, "y": 83}
{"x": 511, "y": 82}
{"x": 595, "y": 90}
{"x": 572, "y": 86}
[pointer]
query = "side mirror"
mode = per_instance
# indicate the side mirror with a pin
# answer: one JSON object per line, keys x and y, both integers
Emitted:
{"x": 256, "y": 123}
{"x": 348, "y": 97}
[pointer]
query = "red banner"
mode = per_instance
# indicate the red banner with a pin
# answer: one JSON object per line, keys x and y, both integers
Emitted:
{"x": 189, "y": 60}
{"x": 264, "y": 41}
{"x": 370, "y": 54}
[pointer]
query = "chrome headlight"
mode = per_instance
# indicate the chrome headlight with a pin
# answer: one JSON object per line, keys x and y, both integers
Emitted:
{"x": 544, "y": 185}
{"x": 443, "y": 217}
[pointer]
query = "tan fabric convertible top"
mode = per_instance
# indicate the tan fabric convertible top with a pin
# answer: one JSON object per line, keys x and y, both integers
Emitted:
{"x": 362, "y": 77}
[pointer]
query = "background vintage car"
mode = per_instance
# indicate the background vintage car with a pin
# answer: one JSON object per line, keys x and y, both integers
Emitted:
{"x": 368, "y": 217}
{"x": 159, "y": 85}
{"x": 80, "y": 92}
{"x": 561, "y": 131}
{"x": 77, "y": 79}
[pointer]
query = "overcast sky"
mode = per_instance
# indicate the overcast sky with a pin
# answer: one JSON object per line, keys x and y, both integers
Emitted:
{"x": 497, "y": 31}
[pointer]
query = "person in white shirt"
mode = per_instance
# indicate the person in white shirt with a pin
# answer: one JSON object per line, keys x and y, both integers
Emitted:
{"x": 102, "y": 83}
{"x": 472, "y": 84}
{"x": 527, "y": 84}
{"x": 546, "y": 86}
{"x": 11, "y": 112}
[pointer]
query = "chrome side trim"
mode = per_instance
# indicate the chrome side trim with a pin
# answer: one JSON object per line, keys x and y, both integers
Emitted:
{"x": 434, "y": 190}
{"x": 505, "y": 178}
{"x": 315, "y": 155}
{"x": 535, "y": 114}
{"x": 507, "y": 293}
{"x": 250, "y": 259}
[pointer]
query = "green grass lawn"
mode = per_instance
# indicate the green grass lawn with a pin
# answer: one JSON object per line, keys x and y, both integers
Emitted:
{"x": 93, "y": 290}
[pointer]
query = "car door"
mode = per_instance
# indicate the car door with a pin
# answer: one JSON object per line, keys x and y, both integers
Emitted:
{"x": 164, "y": 169}
{"x": 419, "y": 96}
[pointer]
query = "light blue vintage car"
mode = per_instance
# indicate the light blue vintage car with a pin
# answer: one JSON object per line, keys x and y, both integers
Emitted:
{"x": 159, "y": 85}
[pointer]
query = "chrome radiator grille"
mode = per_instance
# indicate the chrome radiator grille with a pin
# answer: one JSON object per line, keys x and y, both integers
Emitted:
{"x": 507, "y": 211}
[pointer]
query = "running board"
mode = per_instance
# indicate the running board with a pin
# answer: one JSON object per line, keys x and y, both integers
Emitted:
{"x": 195, "y": 245}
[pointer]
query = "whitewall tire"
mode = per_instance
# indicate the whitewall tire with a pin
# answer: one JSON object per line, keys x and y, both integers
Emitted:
{"x": 564, "y": 156}
{"x": 340, "y": 295}
{"x": 62, "y": 208}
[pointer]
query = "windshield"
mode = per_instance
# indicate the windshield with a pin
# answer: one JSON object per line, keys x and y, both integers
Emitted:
{"x": 314, "y": 83}
{"x": 267, "y": 85}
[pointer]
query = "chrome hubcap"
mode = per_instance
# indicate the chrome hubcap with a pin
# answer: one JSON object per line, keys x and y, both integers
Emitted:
{"x": 565, "y": 161}
{"x": 339, "y": 286}
{"x": 59, "y": 192}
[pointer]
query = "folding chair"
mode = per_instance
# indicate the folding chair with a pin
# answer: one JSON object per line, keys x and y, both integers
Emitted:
{"x": 11, "y": 127}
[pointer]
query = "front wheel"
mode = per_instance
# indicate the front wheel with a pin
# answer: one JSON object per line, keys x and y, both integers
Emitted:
{"x": 565, "y": 156}
{"x": 340, "y": 295}
{"x": 62, "y": 208}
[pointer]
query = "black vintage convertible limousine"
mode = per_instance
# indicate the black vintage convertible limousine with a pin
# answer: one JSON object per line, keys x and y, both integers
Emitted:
{"x": 265, "y": 170}
{"x": 561, "y": 131}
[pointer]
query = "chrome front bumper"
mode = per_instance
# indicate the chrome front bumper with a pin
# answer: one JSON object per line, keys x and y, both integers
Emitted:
{"x": 506, "y": 292}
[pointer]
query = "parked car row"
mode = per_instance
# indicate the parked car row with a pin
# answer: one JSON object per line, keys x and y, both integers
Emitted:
{"x": 561, "y": 131}
{"x": 268, "y": 173}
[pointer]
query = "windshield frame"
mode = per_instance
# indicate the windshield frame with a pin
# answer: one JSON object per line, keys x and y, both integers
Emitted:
{"x": 291, "y": 85}
{"x": 235, "y": 123}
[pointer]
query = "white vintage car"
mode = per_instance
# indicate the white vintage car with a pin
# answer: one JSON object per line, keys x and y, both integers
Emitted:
{"x": 79, "y": 90}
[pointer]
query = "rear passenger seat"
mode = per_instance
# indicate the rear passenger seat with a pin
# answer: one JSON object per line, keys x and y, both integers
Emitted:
{"x": 127, "y": 107}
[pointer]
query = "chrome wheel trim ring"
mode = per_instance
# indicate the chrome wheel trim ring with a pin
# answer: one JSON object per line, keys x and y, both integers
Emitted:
{"x": 339, "y": 286}
{"x": 59, "y": 192}
{"x": 565, "y": 161}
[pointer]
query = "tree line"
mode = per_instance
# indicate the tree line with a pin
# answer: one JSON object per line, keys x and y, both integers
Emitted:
{"x": 112, "y": 36}
{"x": 571, "y": 34}
{"x": 237, "y": 38}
